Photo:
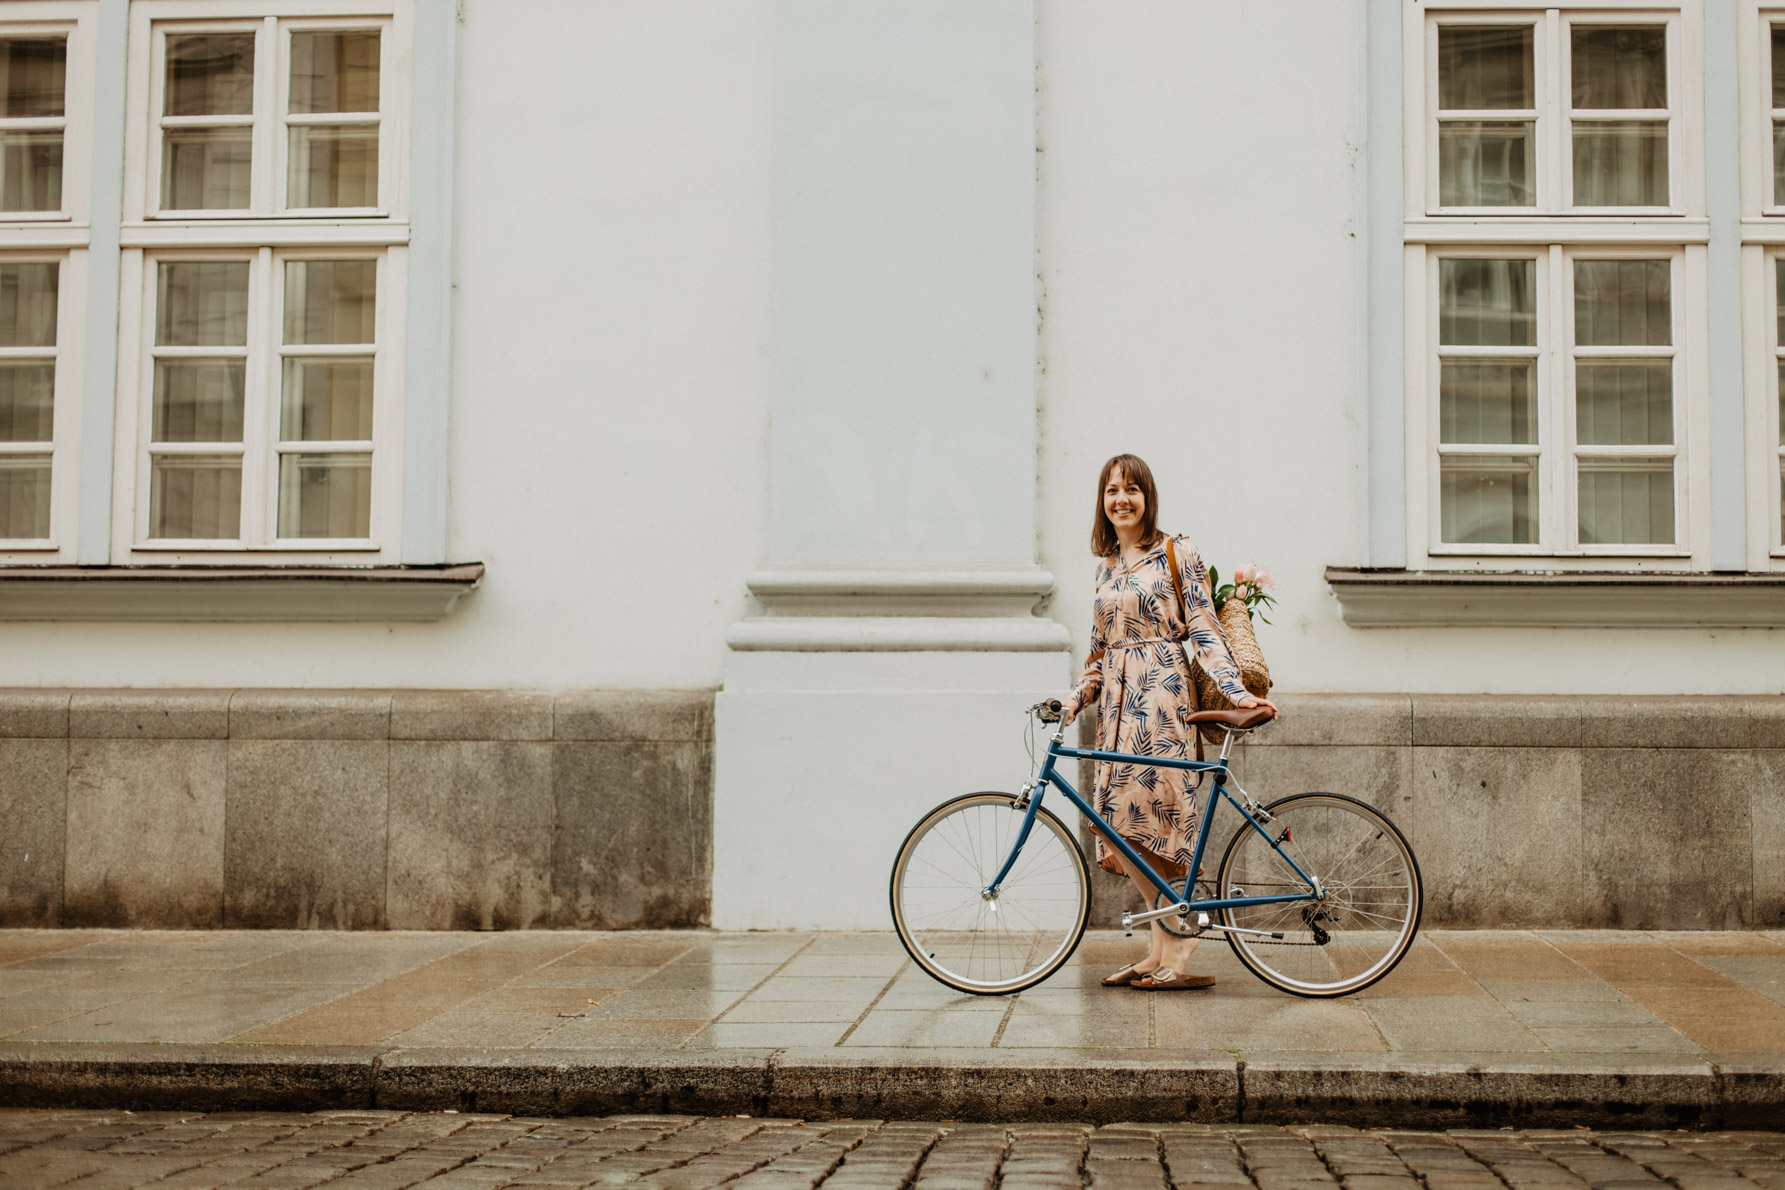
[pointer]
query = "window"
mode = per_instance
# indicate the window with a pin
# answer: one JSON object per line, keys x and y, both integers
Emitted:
{"x": 305, "y": 99}
{"x": 1776, "y": 443}
{"x": 1776, "y": 103}
{"x": 29, "y": 291}
{"x": 1558, "y": 112}
{"x": 45, "y": 76}
{"x": 1555, "y": 289}
{"x": 1591, "y": 468}
{"x": 33, "y": 121}
{"x": 211, "y": 379}
{"x": 265, "y": 281}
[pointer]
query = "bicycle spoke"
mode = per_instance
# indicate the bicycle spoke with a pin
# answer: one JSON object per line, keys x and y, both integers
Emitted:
{"x": 1367, "y": 911}
{"x": 960, "y": 936}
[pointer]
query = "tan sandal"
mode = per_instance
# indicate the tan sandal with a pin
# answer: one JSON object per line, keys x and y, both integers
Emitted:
{"x": 1125, "y": 977}
{"x": 1167, "y": 980}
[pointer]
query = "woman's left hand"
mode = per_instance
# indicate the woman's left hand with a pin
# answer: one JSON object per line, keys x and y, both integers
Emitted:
{"x": 1258, "y": 702}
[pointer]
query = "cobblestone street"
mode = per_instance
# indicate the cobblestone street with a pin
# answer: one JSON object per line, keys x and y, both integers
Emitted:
{"x": 372, "y": 1150}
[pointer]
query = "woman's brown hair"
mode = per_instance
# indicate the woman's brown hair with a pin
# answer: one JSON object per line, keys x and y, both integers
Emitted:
{"x": 1103, "y": 534}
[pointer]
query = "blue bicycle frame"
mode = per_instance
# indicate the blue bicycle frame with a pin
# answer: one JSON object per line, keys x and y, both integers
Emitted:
{"x": 1058, "y": 751}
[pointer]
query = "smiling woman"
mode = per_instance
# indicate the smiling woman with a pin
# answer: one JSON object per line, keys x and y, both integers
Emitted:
{"x": 1138, "y": 674}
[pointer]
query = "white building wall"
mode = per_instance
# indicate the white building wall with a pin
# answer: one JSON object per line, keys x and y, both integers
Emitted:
{"x": 609, "y": 422}
{"x": 1199, "y": 239}
{"x": 1197, "y": 247}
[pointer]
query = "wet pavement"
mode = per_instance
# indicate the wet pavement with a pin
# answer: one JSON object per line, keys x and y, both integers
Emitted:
{"x": 372, "y": 1150}
{"x": 1578, "y": 992}
{"x": 1474, "y": 1027}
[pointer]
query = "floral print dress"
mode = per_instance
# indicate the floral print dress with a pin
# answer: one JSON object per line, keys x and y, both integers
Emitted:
{"x": 1139, "y": 675}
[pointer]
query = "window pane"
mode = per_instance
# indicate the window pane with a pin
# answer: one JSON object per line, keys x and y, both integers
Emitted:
{"x": 210, "y": 74}
{"x": 1482, "y": 164}
{"x": 1623, "y": 303}
{"x": 1626, "y": 502}
{"x": 1623, "y": 403}
{"x": 30, "y": 171}
{"x": 331, "y": 301}
{"x": 24, "y": 497}
{"x": 1487, "y": 303}
{"x": 1486, "y": 500}
{"x": 1620, "y": 68}
{"x": 1779, "y": 65}
{"x": 202, "y": 304}
{"x": 196, "y": 496}
{"x": 327, "y": 400}
{"x": 334, "y": 72}
{"x": 1620, "y": 163}
{"x": 1779, "y": 282}
{"x": 33, "y": 76}
{"x": 27, "y": 400}
{"x": 199, "y": 400}
{"x": 206, "y": 169}
{"x": 1487, "y": 401}
{"x": 325, "y": 495}
{"x": 1779, "y": 162}
{"x": 1485, "y": 68}
{"x": 28, "y": 305}
{"x": 333, "y": 166}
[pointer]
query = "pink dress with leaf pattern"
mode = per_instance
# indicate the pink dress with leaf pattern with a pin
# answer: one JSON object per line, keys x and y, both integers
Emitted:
{"x": 1139, "y": 676}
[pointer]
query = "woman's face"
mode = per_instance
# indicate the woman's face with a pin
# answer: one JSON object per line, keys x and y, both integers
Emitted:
{"x": 1123, "y": 503}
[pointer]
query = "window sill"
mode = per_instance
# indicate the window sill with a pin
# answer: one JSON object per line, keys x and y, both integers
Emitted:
{"x": 1576, "y": 599}
{"x": 233, "y": 592}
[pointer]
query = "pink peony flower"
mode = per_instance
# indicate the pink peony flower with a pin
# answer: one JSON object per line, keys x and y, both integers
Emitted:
{"x": 1262, "y": 579}
{"x": 1242, "y": 573}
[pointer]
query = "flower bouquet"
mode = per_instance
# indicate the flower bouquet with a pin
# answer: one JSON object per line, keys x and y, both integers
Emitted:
{"x": 1236, "y": 602}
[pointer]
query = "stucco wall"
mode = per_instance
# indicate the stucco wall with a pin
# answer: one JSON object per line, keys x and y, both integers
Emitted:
{"x": 1200, "y": 248}
{"x": 609, "y": 418}
{"x": 1198, "y": 285}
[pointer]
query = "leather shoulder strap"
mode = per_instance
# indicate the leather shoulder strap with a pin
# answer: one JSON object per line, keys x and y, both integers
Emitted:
{"x": 1171, "y": 558}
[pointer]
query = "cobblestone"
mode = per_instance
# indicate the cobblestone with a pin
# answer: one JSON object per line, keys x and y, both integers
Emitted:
{"x": 97, "y": 1150}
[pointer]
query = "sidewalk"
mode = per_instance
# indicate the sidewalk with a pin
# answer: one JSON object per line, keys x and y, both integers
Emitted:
{"x": 1644, "y": 1030}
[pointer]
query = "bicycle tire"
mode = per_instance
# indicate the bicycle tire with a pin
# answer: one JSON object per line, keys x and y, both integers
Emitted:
{"x": 948, "y": 927}
{"x": 1361, "y": 928}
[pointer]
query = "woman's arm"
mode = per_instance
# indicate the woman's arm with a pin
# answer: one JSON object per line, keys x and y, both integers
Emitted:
{"x": 1090, "y": 683}
{"x": 1205, "y": 639}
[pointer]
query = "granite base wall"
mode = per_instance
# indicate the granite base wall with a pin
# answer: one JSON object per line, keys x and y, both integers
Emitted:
{"x": 356, "y": 809}
{"x": 1618, "y": 812}
{"x": 594, "y": 809}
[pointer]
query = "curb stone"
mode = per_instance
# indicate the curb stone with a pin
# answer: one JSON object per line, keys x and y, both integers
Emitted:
{"x": 1361, "y": 1090}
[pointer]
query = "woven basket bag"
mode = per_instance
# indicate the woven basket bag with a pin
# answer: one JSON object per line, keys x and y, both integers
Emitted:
{"x": 1236, "y": 626}
{"x": 1255, "y": 675}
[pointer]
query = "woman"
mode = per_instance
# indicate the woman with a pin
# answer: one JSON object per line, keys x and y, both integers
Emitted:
{"x": 1139, "y": 664}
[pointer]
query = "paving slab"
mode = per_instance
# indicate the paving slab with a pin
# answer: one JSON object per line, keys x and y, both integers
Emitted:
{"x": 1657, "y": 1029}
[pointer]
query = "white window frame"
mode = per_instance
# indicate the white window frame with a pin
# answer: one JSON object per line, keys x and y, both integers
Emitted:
{"x": 1558, "y": 450}
{"x": 1554, "y": 118}
{"x": 60, "y": 237}
{"x": 268, "y": 234}
{"x": 273, "y": 26}
{"x": 1763, "y": 243}
{"x": 64, "y": 445}
{"x": 74, "y": 19}
{"x": 1555, "y": 234}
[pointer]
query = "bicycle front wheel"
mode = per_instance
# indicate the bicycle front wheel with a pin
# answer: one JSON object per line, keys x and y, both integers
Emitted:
{"x": 1363, "y": 922}
{"x": 989, "y": 947}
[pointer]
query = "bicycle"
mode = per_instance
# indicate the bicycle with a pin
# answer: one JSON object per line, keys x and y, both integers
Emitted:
{"x": 1319, "y": 893}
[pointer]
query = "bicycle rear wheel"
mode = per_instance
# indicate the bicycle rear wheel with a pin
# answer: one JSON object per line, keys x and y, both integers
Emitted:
{"x": 1360, "y": 928}
{"x": 980, "y": 946}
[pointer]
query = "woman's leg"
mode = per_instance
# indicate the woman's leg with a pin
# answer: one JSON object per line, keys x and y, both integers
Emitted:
{"x": 1165, "y": 950}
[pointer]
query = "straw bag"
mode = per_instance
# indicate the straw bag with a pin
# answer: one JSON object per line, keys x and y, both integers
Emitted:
{"x": 1242, "y": 643}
